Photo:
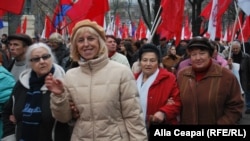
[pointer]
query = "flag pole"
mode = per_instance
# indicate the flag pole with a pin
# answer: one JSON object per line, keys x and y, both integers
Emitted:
{"x": 156, "y": 19}
{"x": 158, "y": 22}
{"x": 240, "y": 29}
{"x": 235, "y": 22}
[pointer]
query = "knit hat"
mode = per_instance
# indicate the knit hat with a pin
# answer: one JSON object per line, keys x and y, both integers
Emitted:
{"x": 23, "y": 37}
{"x": 88, "y": 23}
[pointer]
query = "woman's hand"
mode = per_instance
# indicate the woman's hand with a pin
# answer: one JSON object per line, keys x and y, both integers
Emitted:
{"x": 158, "y": 117}
{"x": 12, "y": 119}
{"x": 54, "y": 85}
{"x": 230, "y": 63}
{"x": 74, "y": 110}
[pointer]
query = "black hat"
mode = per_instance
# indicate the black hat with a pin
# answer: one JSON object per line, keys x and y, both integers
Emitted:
{"x": 23, "y": 37}
{"x": 201, "y": 43}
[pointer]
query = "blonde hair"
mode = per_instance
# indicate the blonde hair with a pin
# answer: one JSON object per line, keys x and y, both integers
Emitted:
{"x": 74, "y": 50}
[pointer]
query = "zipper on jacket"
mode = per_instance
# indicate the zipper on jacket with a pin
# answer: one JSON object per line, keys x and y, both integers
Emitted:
{"x": 90, "y": 103}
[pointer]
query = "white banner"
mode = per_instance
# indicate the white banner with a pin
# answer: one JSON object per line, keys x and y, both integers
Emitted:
{"x": 213, "y": 20}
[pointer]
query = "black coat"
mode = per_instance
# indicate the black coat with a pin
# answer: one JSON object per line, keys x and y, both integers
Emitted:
{"x": 48, "y": 124}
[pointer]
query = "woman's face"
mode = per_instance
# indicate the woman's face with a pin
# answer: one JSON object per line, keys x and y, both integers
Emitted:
{"x": 173, "y": 50}
{"x": 87, "y": 45}
{"x": 149, "y": 63}
{"x": 199, "y": 58}
{"x": 41, "y": 61}
{"x": 122, "y": 47}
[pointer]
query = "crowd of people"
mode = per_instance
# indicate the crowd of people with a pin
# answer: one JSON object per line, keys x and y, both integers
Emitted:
{"x": 97, "y": 87}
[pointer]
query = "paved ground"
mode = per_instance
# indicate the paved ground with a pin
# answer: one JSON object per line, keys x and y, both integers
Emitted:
{"x": 245, "y": 119}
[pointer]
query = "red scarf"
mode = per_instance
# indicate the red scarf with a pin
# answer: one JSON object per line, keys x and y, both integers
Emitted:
{"x": 111, "y": 54}
{"x": 199, "y": 74}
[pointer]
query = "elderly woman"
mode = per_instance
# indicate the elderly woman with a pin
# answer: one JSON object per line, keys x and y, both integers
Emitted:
{"x": 30, "y": 103}
{"x": 159, "y": 93}
{"x": 210, "y": 94}
{"x": 103, "y": 91}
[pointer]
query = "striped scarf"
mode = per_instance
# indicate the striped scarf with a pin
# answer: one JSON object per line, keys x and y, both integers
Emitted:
{"x": 32, "y": 110}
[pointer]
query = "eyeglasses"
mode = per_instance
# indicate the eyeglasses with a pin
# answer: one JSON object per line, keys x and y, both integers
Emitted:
{"x": 37, "y": 59}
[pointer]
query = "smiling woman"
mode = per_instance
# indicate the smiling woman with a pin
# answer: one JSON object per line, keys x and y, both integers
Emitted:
{"x": 31, "y": 99}
{"x": 210, "y": 91}
{"x": 109, "y": 87}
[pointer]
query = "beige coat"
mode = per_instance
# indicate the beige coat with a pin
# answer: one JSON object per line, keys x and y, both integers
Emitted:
{"x": 106, "y": 96}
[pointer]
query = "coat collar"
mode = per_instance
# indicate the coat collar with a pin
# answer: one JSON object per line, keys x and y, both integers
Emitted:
{"x": 25, "y": 75}
{"x": 214, "y": 70}
{"x": 95, "y": 64}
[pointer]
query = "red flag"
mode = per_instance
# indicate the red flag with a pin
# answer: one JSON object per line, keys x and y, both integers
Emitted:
{"x": 205, "y": 13}
{"x": 179, "y": 20}
{"x": 218, "y": 9}
{"x": 97, "y": 11}
{"x": 62, "y": 2}
{"x": 124, "y": 31}
{"x": 24, "y": 25}
{"x": 222, "y": 7}
{"x": 169, "y": 14}
{"x": 79, "y": 9}
{"x": 218, "y": 28}
{"x": 12, "y": 6}
{"x": 172, "y": 17}
{"x": 18, "y": 30}
{"x": 245, "y": 30}
{"x": 48, "y": 26}
{"x": 89, "y": 9}
{"x": 141, "y": 30}
{"x": 239, "y": 22}
{"x": 2, "y": 12}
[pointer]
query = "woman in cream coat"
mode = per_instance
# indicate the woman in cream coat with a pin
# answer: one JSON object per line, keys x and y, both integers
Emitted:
{"x": 103, "y": 91}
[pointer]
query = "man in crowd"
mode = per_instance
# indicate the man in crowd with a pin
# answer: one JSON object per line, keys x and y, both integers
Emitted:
{"x": 244, "y": 60}
{"x": 18, "y": 44}
{"x": 113, "y": 54}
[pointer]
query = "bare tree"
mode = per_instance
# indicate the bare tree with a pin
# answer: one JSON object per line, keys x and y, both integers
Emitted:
{"x": 196, "y": 19}
{"x": 115, "y": 6}
{"x": 145, "y": 7}
{"x": 149, "y": 11}
{"x": 129, "y": 6}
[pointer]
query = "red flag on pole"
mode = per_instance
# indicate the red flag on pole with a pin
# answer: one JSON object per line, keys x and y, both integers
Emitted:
{"x": 24, "y": 25}
{"x": 218, "y": 9}
{"x": 89, "y": 9}
{"x": 245, "y": 30}
{"x": 12, "y": 6}
{"x": 48, "y": 26}
{"x": 98, "y": 9}
{"x": 172, "y": 17}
